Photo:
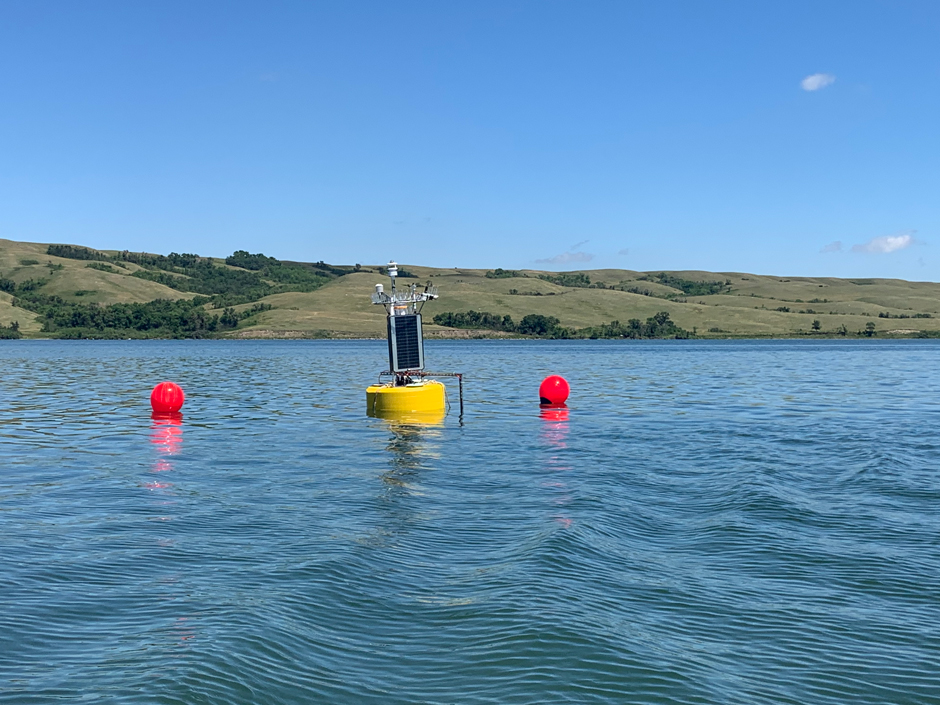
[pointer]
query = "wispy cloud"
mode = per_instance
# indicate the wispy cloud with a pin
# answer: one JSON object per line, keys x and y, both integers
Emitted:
{"x": 887, "y": 243}
{"x": 817, "y": 81}
{"x": 624, "y": 251}
{"x": 576, "y": 245}
{"x": 833, "y": 247}
{"x": 567, "y": 258}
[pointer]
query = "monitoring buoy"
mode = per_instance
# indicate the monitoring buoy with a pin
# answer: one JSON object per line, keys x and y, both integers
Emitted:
{"x": 410, "y": 394}
{"x": 554, "y": 390}
{"x": 167, "y": 398}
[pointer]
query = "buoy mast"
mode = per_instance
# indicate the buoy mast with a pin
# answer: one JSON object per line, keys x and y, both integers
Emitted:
{"x": 405, "y": 335}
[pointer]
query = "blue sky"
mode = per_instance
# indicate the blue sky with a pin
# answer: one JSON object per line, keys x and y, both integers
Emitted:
{"x": 781, "y": 138}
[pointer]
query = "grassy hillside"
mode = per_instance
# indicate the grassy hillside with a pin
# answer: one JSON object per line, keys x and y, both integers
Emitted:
{"x": 72, "y": 280}
{"x": 747, "y": 307}
{"x": 317, "y": 300}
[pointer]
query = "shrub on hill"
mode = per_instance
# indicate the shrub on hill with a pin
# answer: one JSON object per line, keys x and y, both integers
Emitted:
{"x": 296, "y": 276}
{"x": 273, "y": 268}
{"x": 253, "y": 277}
{"x": 689, "y": 287}
{"x": 573, "y": 279}
{"x": 182, "y": 318}
{"x": 11, "y": 287}
{"x": 101, "y": 266}
{"x": 209, "y": 279}
{"x": 475, "y": 319}
{"x": 73, "y": 252}
{"x": 503, "y": 274}
{"x": 241, "y": 258}
{"x": 402, "y": 273}
{"x": 541, "y": 326}
{"x": 260, "y": 276}
{"x": 657, "y": 326}
{"x": 11, "y": 332}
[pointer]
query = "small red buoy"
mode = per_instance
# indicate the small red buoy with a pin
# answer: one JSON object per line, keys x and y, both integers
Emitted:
{"x": 167, "y": 398}
{"x": 553, "y": 390}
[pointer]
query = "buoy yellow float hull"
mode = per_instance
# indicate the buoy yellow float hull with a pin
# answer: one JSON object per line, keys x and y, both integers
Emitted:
{"x": 423, "y": 398}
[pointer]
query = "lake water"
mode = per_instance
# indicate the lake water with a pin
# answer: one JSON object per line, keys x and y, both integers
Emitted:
{"x": 710, "y": 522}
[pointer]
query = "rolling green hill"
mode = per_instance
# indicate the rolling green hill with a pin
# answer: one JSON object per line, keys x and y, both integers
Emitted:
{"x": 71, "y": 291}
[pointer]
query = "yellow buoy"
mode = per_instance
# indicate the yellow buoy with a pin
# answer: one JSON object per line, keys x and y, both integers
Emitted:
{"x": 419, "y": 399}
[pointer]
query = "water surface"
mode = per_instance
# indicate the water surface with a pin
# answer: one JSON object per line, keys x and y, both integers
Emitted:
{"x": 709, "y": 522}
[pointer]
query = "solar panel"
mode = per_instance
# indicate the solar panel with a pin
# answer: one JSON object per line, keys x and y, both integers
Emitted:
{"x": 405, "y": 343}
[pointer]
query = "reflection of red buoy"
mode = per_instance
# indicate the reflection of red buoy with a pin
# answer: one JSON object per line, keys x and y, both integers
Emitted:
{"x": 167, "y": 398}
{"x": 556, "y": 414}
{"x": 167, "y": 435}
{"x": 553, "y": 390}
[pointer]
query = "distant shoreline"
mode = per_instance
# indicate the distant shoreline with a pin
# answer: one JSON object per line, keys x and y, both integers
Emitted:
{"x": 78, "y": 292}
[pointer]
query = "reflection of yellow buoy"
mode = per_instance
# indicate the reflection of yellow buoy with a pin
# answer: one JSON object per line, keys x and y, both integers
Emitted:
{"x": 399, "y": 420}
{"x": 418, "y": 399}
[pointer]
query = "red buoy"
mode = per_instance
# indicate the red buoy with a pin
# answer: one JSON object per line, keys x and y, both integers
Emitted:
{"x": 167, "y": 398}
{"x": 553, "y": 390}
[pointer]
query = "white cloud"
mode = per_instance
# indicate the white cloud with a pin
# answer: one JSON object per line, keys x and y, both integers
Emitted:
{"x": 817, "y": 81}
{"x": 576, "y": 245}
{"x": 833, "y": 247}
{"x": 624, "y": 251}
{"x": 887, "y": 243}
{"x": 567, "y": 258}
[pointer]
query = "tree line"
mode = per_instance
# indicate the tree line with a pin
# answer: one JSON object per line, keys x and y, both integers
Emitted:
{"x": 689, "y": 287}
{"x": 162, "y": 318}
{"x": 536, "y": 325}
{"x": 580, "y": 280}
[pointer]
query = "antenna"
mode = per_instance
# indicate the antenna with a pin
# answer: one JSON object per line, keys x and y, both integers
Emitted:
{"x": 408, "y": 302}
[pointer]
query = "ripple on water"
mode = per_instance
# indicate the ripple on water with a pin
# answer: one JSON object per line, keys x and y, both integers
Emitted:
{"x": 726, "y": 522}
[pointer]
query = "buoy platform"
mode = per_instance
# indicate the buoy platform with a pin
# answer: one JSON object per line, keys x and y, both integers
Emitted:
{"x": 426, "y": 396}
